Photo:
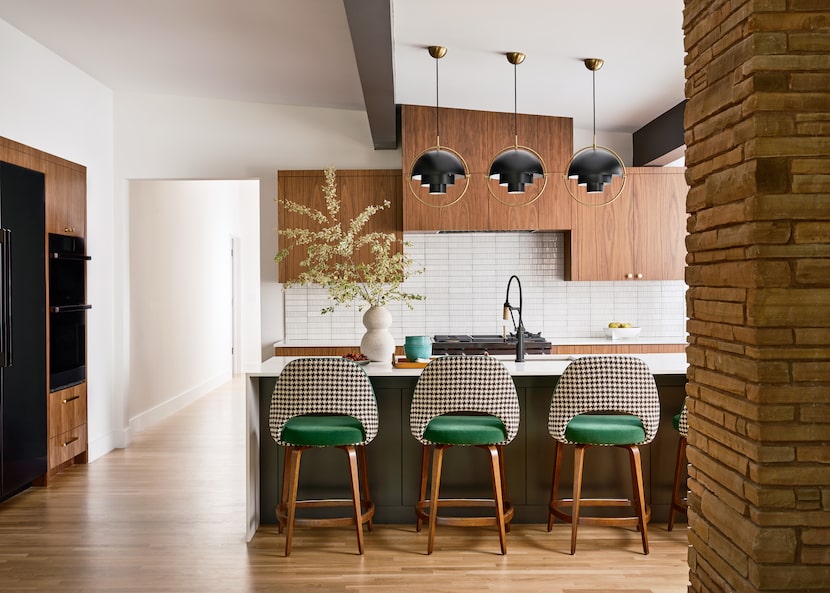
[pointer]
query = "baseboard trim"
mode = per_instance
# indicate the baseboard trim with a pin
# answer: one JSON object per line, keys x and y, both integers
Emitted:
{"x": 156, "y": 414}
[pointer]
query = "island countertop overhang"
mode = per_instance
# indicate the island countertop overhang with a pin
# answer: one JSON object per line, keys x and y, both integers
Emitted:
{"x": 538, "y": 365}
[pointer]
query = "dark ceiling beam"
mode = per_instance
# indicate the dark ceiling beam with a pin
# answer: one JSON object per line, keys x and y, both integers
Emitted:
{"x": 660, "y": 137}
{"x": 370, "y": 24}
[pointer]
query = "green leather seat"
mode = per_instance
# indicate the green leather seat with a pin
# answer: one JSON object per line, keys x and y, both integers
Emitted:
{"x": 323, "y": 431}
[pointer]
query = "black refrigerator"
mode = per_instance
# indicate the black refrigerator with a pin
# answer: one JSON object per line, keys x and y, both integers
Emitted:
{"x": 23, "y": 441}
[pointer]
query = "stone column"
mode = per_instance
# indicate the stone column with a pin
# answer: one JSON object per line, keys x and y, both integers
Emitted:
{"x": 758, "y": 166}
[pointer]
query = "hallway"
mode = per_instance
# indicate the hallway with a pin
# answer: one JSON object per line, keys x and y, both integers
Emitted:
{"x": 167, "y": 515}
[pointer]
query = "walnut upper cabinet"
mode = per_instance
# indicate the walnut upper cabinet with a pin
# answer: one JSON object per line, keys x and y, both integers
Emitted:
{"x": 639, "y": 236}
{"x": 66, "y": 203}
{"x": 478, "y": 136}
{"x": 356, "y": 189}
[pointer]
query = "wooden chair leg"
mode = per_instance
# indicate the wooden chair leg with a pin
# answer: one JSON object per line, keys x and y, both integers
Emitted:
{"x": 284, "y": 489}
{"x": 503, "y": 476}
{"x": 422, "y": 491}
{"x": 676, "y": 500}
{"x": 364, "y": 480}
{"x": 554, "y": 484}
{"x": 291, "y": 503}
{"x": 579, "y": 458}
{"x": 437, "y": 461}
{"x": 498, "y": 483}
{"x": 355, "y": 483}
{"x": 639, "y": 495}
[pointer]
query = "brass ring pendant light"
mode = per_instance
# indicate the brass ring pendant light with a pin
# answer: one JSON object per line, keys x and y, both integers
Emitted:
{"x": 595, "y": 166}
{"x": 515, "y": 166}
{"x": 437, "y": 167}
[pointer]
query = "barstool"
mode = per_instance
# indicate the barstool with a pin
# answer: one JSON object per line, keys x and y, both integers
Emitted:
{"x": 603, "y": 401}
{"x": 464, "y": 401}
{"x": 678, "y": 503}
{"x": 324, "y": 402}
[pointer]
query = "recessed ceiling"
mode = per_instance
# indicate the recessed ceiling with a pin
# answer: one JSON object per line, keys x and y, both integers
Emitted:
{"x": 299, "y": 52}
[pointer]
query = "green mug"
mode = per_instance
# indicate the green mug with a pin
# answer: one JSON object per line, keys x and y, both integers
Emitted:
{"x": 417, "y": 347}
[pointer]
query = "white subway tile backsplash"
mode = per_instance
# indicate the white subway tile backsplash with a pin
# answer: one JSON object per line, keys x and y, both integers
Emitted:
{"x": 464, "y": 282}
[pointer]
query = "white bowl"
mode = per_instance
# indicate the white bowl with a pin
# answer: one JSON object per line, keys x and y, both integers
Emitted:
{"x": 621, "y": 333}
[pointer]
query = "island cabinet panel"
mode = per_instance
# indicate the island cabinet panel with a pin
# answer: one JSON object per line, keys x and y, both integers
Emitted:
{"x": 478, "y": 136}
{"x": 356, "y": 189}
{"x": 639, "y": 236}
{"x": 394, "y": 457}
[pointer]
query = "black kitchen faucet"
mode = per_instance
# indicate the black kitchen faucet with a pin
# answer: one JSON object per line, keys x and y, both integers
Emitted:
{"x": 508, "y": 309}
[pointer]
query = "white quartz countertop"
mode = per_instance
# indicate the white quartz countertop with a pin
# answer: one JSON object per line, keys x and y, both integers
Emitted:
{"x": 534, "y": 365}
{"x": 554, "y": 341}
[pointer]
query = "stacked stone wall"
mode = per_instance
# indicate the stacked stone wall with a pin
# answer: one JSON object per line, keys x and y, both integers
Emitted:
{"x": 758, "y": 166}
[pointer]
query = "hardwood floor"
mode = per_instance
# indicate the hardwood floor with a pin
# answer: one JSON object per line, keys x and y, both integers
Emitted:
{"x": 166, "y": 515}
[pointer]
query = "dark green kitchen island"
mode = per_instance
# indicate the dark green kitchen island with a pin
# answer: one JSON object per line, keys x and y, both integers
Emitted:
{"x": 394, "y": 456}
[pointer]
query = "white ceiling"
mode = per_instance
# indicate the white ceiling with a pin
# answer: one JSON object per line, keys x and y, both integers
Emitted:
{"x": 299, "y": 52}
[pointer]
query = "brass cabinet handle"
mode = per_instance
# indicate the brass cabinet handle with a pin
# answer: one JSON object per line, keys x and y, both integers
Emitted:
{"x": 70, "y": 399}
{"x": 69, "y": 229}
{"x": 70, "y": 441}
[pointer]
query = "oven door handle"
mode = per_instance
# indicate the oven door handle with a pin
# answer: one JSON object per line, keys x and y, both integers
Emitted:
{"x": 69, "y": 308}
{"x": 6, "y": 358}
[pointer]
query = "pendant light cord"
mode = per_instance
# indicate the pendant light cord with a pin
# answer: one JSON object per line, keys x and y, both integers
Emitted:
{"x": 594, "y": 78}
{"x": 437, "y": 130}
{"x": 515, "y": 111}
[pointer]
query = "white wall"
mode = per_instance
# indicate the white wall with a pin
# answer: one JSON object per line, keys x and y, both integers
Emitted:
{"x": 181, "y": 287}
{"x": 163, "y": 137}
{"x": 50, "y": 105}
{"x": 622, "y": 144}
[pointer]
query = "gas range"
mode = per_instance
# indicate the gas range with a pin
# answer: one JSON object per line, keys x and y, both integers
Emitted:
{"x": 489, "y": 344}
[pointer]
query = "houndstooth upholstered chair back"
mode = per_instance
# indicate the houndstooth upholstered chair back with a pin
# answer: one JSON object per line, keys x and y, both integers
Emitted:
{"x": 323, "y": 386}
{"x": 605, "y": 384}
{"x": 464, "y": 384}
{"x": 683, "y": 425}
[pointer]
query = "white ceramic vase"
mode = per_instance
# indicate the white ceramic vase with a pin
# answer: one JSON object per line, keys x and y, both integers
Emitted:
{"x": 377, "y": 344}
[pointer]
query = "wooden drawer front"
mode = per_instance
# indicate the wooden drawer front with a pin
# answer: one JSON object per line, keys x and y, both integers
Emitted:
{"x": 67, "y": 445}
{"x": 67, "y": 409}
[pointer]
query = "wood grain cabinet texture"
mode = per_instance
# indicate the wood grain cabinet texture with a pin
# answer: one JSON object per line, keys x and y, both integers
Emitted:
{"x": 478, "y": 136}
{"x": 639, "y": 236}
{"x": 65, "y": 192}
{"x": 67, "y": 426}
{"x": 356, "y": 189}
{"x": 65, "y": 199}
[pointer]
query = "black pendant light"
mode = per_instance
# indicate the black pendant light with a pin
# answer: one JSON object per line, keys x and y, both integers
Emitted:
{"x": 438, "y": 166}
{"x": 517, "y": 166}
{"x": 595, "y": 166}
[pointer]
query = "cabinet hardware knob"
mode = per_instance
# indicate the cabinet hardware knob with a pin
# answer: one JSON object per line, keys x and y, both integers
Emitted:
{"x": 629, "y": 276}
{"x": 70, "y": 399}
{"x": 639, "y": 275}
{"x": 70, "y": 441}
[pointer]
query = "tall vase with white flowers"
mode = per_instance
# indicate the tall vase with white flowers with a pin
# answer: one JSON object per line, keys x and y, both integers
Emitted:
{"x": 332, "y": 262}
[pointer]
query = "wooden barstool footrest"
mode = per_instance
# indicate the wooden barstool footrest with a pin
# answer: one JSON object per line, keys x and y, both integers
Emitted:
{"x": 557, "y": 505}
{"x": 367, "y": 513}
{"x": 422, "y": 510}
